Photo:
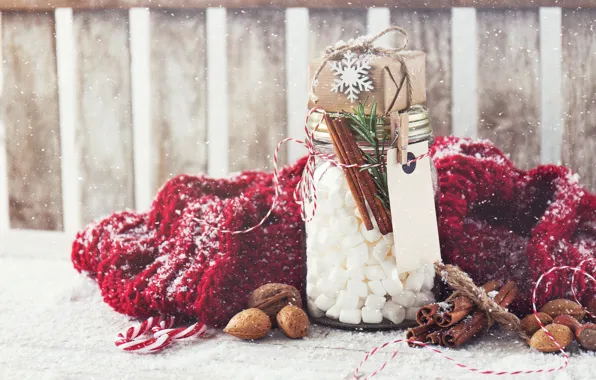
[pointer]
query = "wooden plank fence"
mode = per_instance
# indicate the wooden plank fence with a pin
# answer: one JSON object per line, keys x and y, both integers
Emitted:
{"x": 132, "y": 97}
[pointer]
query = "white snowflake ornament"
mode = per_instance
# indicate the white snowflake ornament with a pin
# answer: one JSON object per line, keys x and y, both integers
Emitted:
{"x": 353, "y": 75}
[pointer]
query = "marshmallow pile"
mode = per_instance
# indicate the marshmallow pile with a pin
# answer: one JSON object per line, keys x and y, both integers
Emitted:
{"x": 351, "y": 272}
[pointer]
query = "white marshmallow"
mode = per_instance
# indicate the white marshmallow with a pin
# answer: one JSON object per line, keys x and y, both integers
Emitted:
{"x": 313, "y": 310}
{"x": 389, "y": 267}
{"x": 424, "y": 298}
{"x": 324, "y": 303}
{"x": 403, "y": 276}
{"x": 346, "y": 300}
{"x": 357, "y": 214}
{"x": 357, "y": 256}
{"x": 360, "y": 303}
{"x": 376, "y": 287}
{"x": 411, "y": 313}
{"x": 311, "y": 290}
{"x": 429, "y": 282}
{"x": 349, "y": 200}
{"x": 358, "y": 288}
{"x": 350, "y": 316}
{"x": 324, "y": 287}
{"x": 355, "y": 273}
{"x": 381, "y": 250}
{"x": 336, "y": 198}
{"x": 352, "y": 240}
{"x": 371, "y": 315}
{"x": 374, "y": 302}
{"x": 346, "y": 224}
{"x": 414, "y": 282}
{"x": 374, "y": 272}
{"x": 389, "y": 238}
{"x": 326, "y": 237}
{"x": 392, "y": 287}
{"x": 405, "y": 298}
{"x": 393, "y": 312}
{"x": 371, "y": 259}
{"x": 370, "y": 236}
{"x": 338, "y": 278}
{"x": 333, "y": 312}
{"x": 333, "y": 258}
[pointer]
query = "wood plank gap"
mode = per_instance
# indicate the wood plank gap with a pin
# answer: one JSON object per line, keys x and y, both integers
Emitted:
{"x": 551, "y": 102}
{"x": 71, "y": 197}
{"x": 464, "y": 63}
{"x": 296, "y": 77}
{"x": 141, "y": 107}
{"x": 217, "y": 88}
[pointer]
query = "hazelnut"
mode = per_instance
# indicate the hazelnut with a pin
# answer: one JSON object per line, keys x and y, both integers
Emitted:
{"x": 271, "y": 298}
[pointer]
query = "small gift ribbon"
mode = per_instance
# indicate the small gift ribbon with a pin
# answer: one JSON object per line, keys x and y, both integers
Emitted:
{"x": 362, "y": 45}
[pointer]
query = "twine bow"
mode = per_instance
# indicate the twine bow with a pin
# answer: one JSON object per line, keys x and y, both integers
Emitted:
{"x": 463, "y": 285}
{"x": 362, "y": 45}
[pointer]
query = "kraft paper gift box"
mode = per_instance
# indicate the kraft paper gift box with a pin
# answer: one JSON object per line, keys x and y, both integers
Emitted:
{"x": 388, "y": 80}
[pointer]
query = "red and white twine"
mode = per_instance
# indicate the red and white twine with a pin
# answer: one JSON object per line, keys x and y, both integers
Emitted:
{"x": 565, "y": 363}
{"x": 154, "y": 334}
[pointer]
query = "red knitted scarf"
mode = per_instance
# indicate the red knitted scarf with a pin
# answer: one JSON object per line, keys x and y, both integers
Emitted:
{"x": 495, "y": 221}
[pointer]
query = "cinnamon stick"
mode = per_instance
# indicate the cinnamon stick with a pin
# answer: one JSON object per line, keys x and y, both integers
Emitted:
{"x": 426, "y": 314}
{"x": 435, "y": 337}
{"x": 354, "y": 156}
{"x": 461, "y": 307}
{"x": 419, "y": 333}
{"x": 478, "y": 321}
{"x": 350, "y": 173}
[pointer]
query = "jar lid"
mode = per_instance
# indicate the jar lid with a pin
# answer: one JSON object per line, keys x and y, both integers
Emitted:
{"x": 419, "y": 125}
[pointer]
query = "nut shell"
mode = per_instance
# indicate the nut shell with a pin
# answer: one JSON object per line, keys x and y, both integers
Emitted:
{"x": 530, "y": 324}
{"x": 568, "y": 321}
{"x": 293, "y": 321}
{"x": 586, "y": 336}
{"x": 271, "y": 298}
{"x": 249, "y": 324}
{"x": 562, "y": 306}
{"x": 543, "y": 343}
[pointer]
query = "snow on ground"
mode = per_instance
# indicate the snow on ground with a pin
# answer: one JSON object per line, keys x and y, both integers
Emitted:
{"x": 54, "y": 326}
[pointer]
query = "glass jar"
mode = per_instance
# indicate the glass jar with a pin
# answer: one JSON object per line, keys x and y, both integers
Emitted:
{"x": 352, "y": 280}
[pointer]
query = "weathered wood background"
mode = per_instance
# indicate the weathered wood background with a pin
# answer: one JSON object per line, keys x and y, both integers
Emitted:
{"x": 510, "y": 85}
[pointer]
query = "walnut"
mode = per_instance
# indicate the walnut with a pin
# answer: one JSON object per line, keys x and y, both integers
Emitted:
{"x": 271, "y": 298}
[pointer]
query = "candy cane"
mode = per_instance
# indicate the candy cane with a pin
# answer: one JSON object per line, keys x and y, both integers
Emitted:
{"x": 565, "y": 363}
{"x": 163, "y": 335}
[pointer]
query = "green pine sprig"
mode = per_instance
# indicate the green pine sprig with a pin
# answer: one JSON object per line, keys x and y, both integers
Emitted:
{"x": 365, "y": 126}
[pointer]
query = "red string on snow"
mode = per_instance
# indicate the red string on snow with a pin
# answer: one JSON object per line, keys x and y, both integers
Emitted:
{"x": 565, "y": 363}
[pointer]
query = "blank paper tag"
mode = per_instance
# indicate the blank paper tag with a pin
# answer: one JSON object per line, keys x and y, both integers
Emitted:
{"x": 413, "y": 210}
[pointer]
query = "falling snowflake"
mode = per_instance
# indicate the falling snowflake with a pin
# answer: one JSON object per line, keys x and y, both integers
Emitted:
{"x": 353, "y": 75}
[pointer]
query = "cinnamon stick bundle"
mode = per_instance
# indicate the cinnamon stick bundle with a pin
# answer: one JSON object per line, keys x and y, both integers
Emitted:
{"x": 362, "y": 184}
{"x": 461, "y": 307}
{"x": 478, "y": 321}
{"x": 427, "y": 314}
{"x": 419, "y": 333}
{"x": 350, "y": 173}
